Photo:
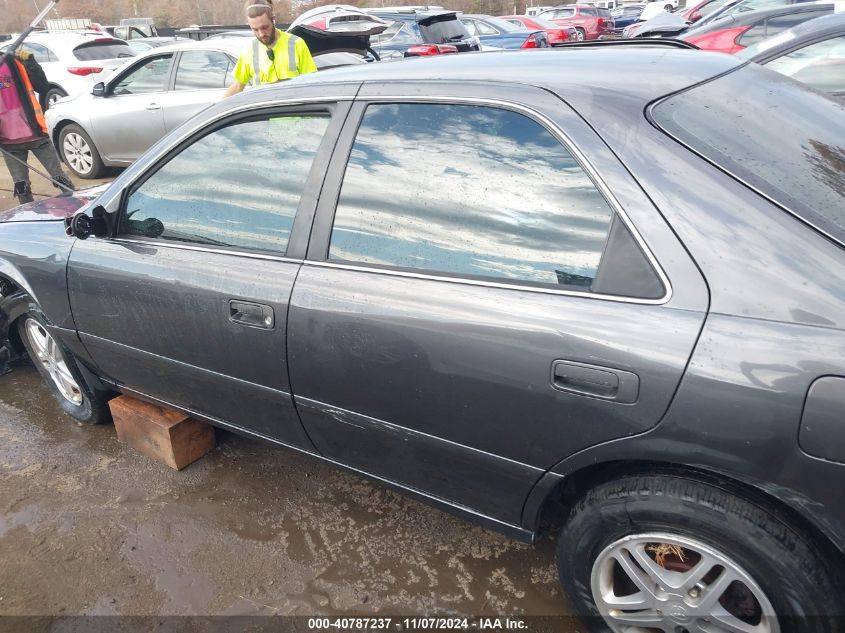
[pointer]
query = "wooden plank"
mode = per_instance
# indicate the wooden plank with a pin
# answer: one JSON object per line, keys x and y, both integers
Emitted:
{"x": 160, "y": 433}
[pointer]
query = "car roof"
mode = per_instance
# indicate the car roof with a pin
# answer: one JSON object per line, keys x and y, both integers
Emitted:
{"x": 640, "y": 73}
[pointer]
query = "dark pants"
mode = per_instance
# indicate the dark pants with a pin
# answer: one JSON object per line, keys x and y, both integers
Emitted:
{"x": 44, "y": 152}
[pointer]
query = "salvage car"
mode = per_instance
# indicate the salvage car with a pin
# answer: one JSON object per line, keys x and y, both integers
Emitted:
{"x": 604, "y": 294}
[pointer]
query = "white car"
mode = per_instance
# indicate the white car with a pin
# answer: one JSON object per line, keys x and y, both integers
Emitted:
{"x": 74, "y": 61}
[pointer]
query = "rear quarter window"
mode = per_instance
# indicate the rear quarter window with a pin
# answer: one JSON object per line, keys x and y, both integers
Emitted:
{"x": 778, "y": 137}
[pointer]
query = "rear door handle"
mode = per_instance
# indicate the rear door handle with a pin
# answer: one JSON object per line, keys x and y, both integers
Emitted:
{"x": 251, "y": 314}
{"x": 595, "y": 381}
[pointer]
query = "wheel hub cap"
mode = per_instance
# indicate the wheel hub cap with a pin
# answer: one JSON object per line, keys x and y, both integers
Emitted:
{"x": 47, "y": 354}
{"x": 663, "y": 582}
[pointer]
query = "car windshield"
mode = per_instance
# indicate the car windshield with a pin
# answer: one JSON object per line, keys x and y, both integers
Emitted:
{"x": 782, "y": 139}
{"x": 443, "y": 30}
{"x": 102, "y": 49}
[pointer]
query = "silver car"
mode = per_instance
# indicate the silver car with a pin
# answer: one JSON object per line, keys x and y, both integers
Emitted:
{"x": 151, "y": 95}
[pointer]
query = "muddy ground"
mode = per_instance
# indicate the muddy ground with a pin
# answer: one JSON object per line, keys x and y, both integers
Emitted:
{"x": 88, "y": 526}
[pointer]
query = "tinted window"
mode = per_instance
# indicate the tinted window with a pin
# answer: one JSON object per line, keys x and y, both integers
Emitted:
{"x": 238, "y": 186}
{"x": 469, "y": 191}
{"x": 108, "y": 49}
{"x": 756, "y": 33}
{"x": 771, "y": 133}
{"x": 443, "y": 31}
{"x": 588, "y": 11}
{"x": 151, "y": 76}
{"x": 820, "y": 65}
{"x": 203, "y": 69}
{"x": 561, "y": 13}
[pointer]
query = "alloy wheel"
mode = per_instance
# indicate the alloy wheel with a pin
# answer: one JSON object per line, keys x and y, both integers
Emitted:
{"x": 664, "y": 583}
{"x": 77, "y": 152}
{"x": 50, "y": 357}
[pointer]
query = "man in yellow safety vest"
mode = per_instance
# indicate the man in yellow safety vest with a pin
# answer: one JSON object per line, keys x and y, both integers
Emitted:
{"x": 273, "y": 56}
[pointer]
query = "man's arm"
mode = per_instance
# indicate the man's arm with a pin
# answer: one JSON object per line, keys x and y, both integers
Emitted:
{"x": 241, "y": 76}
{"x": 234, "y": 89}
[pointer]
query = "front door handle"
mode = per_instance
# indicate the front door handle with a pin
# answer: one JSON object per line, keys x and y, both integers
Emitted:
{"x": 596, "y": 381}
{"x": 251, "y": 314}
{"x": 154, "y": 106}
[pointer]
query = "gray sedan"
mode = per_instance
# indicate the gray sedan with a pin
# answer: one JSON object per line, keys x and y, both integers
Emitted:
{"x": 140, "y": 103}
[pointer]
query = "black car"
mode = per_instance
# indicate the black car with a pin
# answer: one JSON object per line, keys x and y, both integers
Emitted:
{"x": 417, "y": 32}
{"x": 813, "y": 52}
{"x": 604, "y": 294}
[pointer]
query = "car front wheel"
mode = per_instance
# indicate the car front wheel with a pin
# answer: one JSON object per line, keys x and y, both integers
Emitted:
{"x": 671, "y": 553}
{"x": 79, "y": 152}
{"x": 61, "y": 374}
{"x": 580, "y": 35}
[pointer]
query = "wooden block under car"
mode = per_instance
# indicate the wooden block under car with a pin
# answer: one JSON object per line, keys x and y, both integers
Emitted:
{"x": 165, "y": 435}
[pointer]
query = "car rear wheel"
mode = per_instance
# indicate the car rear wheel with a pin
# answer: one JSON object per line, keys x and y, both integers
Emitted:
{"x": 668, "y": 7}
{"x": 580, "y": 35}
{"x": 53, "y": 95}
{"x": 61, "y": 374}
{"x": 79, "y": 152}
{"x": 670, "y": 553}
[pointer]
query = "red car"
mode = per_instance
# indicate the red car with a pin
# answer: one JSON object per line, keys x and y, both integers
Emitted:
{"x": 556, "y": 34}
{"x": 590, "y": 22}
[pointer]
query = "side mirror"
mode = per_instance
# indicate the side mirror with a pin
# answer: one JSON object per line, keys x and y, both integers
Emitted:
{"x": 82, "y": 226}
{"x": 99, "y": 90}
{"x": 694, "y": 17}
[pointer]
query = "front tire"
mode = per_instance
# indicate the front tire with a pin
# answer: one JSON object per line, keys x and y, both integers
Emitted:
{"x": 671, "y": 553}
{"x": 79, "y": 152}
{"x": 580, "y": 35}
{"x": 61, "y": 374}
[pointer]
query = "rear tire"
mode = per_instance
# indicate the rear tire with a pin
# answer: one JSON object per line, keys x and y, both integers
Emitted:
{"x": 668, "y": 552}
{"x": 79, "y": 152}
{"x": 61, "y": 374}
{"x": 580, "y": 34}
{"x": 53, "y": 94}
{"x": 668, "y": 7}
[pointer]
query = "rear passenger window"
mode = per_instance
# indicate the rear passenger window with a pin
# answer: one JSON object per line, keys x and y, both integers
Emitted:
{"x": 469, "y": 191}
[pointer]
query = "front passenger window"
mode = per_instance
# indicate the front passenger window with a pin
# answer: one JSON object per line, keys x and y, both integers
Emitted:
{"x": 238, "y": 186}
{"x": 150, "y": 77}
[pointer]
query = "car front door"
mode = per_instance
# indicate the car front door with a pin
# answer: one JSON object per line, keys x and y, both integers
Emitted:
{"x": 129, "y": 118}
{"x": 187, "y": 302}
{"x": 476, "y": 304}
{"x": 201, "y": 79}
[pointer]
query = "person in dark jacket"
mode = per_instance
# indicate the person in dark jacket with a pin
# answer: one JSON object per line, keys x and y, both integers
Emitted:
{"x": 22, "y": 125}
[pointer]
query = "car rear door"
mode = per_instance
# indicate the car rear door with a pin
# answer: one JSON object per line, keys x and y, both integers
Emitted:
{"x": 200, "y": 79}
{"x": 478, "y": 302}
{"x": 187, "y": 301}
{"x": 129, "y": 118}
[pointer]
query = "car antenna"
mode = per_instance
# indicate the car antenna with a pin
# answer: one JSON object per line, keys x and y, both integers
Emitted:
{"x": 11, "y": 52}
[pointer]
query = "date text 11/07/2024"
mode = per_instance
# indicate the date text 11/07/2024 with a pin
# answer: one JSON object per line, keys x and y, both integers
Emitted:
{"x": 416, "y": 624}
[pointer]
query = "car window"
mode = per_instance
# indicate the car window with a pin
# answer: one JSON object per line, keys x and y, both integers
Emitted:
{"x": 776, "y": 25}
{"x": 471, "y": 26}
{"x": 151, "y": 76}
{"x": 198, "y": 70}
{"x": 543, "y": 23}
{"x": 503, "y": 26}
{"x": 41, "y": 53}
{"x": 483, "y": 29}
{"x": 588, "y": 11}
{"x": 102, "y": 49}
{"x": 238, "y": 186}
{"x": 712, "y": 7}
{"x": 397, "y": 33}
{"x": 561, "y": 13}
{"x": 442, "y": 30}
{"x": 469, "y": 191}
{"x": 820, "y": 65}
{"x": 747, "y": 123}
